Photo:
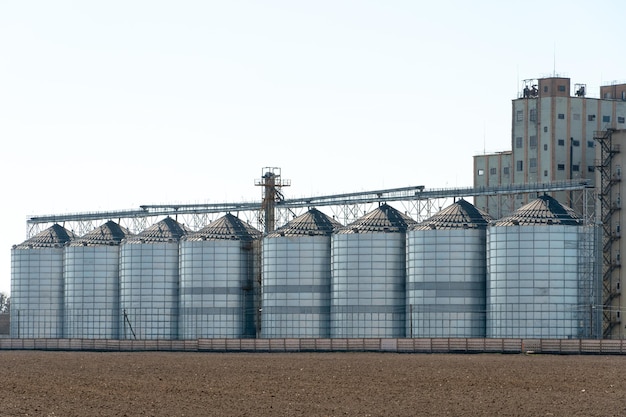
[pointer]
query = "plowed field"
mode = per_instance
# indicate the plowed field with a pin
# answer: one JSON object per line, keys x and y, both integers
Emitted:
{"x": 37, "y": 383}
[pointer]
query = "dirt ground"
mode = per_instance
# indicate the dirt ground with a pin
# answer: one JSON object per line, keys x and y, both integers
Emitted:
{"x": 37, "y": 383}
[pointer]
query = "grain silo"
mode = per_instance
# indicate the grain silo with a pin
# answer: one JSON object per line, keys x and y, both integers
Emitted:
{"x": 217, "y": 273}
{"x": 37, "y": 284}
{"x": 149, "y": 282}
{"x": 537, "y": 286}
{"x": 296, "y": 278}
{"x": 91, "y": 273}
{"x": 446, "y": 273}
{"x": 368, "y": 276}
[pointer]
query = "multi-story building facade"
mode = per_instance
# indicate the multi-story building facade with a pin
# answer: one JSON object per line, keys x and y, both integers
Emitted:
{"x": 494, "y": 170}
{"x": 552, "y": 139}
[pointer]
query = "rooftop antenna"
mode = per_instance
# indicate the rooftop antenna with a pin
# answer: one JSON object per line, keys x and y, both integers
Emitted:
{"x": 554, "y": 60}
{"x": 484, "y": 138}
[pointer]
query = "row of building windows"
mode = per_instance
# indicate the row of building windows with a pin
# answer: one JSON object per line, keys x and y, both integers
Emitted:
{"x": 532, "y": 162}
{"x": 532, "y": 165}
{"x": 532, "y": 116}
{"x": 532, "y": 143}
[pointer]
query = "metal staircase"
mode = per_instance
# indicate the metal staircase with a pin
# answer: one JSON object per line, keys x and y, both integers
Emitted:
{"x": 610, "y": 204}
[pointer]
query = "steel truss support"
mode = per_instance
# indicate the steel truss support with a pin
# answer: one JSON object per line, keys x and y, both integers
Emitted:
{"x": 415, "y": 201}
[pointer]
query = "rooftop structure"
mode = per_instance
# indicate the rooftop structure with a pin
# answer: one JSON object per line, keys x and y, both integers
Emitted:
{"x": 460, "y": 215}
{"x": 226, "y": 227}
{"x": 544, "y": 210}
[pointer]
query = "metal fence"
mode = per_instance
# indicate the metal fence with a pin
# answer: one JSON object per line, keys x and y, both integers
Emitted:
{"x": 439, "y": 345}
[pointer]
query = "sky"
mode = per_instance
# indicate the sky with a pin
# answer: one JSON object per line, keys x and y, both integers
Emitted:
{"x": 112, "y": 105}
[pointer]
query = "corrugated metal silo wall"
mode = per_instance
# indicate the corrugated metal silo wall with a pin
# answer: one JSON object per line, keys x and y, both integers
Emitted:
{"x": 533, "y": 284}
{"x": 446, "y": 283}
{"x": 296, "y": 287}
{"x": 216, "y": 289}
{"x": 91, "y": 275}
{"x": 368, "y": 285}
{"x": 149, "y": 290}
{"x": 37, "y": 293}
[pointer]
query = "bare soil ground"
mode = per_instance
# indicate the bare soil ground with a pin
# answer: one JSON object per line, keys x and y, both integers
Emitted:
{"x": 37, "y": 383}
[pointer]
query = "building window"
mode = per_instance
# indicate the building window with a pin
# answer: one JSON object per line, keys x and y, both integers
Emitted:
{"x": 591, "y": 117}
{"x": 590, "y": 144}
{"x": 575, "y": 142}
{"x": 561, "y": 142}
{"x": 545, "y": 88}
{"x": 561, "y": 88}
{"x": 493, "y": 171}
{"x": 620, "y": 119}
{"x": 561, "y": 116}
{"x": 532, "y": 142}
{"x": 520, "y": 115}
{"x": 591, "y": 168}
{"x": 575, "y": 168}
{"x": 533, "y": 115}
{"x": 545, "y": 146}
{"x": 481, "y": 172}
{"x": 520, "y": 165}
{"x": 606, "y": 119}
{"x": 518, "y": 142}
{"x": 545, "y": 129}
{"x": 505, "y": 170}
{"x": 560, "y": 167}
{"x": 532, "y": 165}
{"x": 545, "y": 173}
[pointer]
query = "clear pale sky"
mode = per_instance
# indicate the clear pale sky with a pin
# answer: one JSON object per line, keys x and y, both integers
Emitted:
{"x": 109, "y": 105}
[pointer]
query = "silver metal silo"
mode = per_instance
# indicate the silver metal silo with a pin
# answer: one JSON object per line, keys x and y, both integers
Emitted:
{"x": 368, "y": 276}
{"x": 536, "y": 287}
{"x": 37, "y": 284}
{"x": 296, "y": 278}
{"x": 91, "y": 273}
{"x": 446, "y": 274}
{"x": 149, "y": 282}
{"x": 217, "y": 274}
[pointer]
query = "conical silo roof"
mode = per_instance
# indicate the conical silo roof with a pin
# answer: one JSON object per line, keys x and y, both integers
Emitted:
{"x": 166, "y": 230}
{"x": 544, "y": 210}
{"x": 460, "y": 215}
{"x": 311, "y": 223}
{"x": 383, "y": 219}
{"x": 53, "y": 237}
{"x": 109, "y": 233}
{"x": 226, "y": 227}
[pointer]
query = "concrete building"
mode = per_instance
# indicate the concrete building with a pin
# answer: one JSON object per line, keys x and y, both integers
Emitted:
{"x": 493, "y": 170}
{"x": 552, "y": 139}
